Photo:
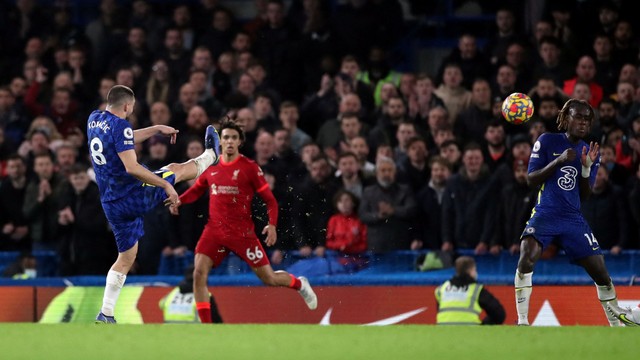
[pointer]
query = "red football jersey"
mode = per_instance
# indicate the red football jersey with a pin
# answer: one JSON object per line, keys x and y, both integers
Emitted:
{"x": 231, "y": 187}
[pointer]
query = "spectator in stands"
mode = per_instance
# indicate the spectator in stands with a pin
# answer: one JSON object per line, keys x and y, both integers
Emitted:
{"x": 66, "y": 156}
{"x": 246, "y": 119}
{"x": 547, "y": 113}
{"x": 468, "y": 205}
{"x": 607, "y": 68}
{"x": 450, "y": 151}
{"x": 423, "y": 99}
{"x": 181, "y": 20}
{"x": 514, "y": 208}
{"x": 219, "y": 33}
{"x": 224, "y": 75}
{"x": 41, "y": 201}
{"x": 351, "y": 67}
{"x": 607, "y": 213}
{"x": 624, "y": 95}
{"x": 618, "y": 174}
{"x": 585, "y": 72}
{"x": 496, "y": 48}
{"x": 405, "y": 131}
{"x": 12, "y": 118}
{"x": 379, "y": 73}
{"x": 159, "y": 86}
{"x": 414, "y": 169}
{"x": 84, "y": 230}
{"x": 429, "y": 206}
{"x": 175, "y": 55}
{"x": 135, "y": 55}
{"x": 275, "y": 46}
{"x": 452, "y": 92}
{"x": 15, "y": 231}
{"x": 505, "y": 82}
{"x": 551, "y": 65}
{"x": 329, "y": 133}
{"x": 388, "y": 209}
{"x": 495, "y": 149}
{"x": 312, "y": 206}
{"x": 142, "y": 15}
{"x": 624, "y": 48}
{"x": 470, "y": 61}
{"x": 581, "y": 91}
{"x": 346, "y": 233}
{"x": 289, "y": 116}
{"x": 360, "y": 148}
{"x": 472, "y": 122}
{"x": 349, "y": 175}
{"x": 393, "y": 114}
{"x": 461, "y": 300}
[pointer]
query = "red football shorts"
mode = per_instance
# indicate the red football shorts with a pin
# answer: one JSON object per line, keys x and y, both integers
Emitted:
{"x": 216, "y": 246}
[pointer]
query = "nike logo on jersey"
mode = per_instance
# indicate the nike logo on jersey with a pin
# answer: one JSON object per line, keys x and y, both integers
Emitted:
{"x": 214, "y": 173}
{"x": 556, "y": 154}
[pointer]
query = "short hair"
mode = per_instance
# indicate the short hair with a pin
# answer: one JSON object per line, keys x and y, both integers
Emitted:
{"x": 440, "y": 161}
{"x": 448, "y": 143}
{"x": 347, "y": 154}
{"x": 288, "y": 104}
{"x": 383, "y": 159}
{"x": 119, "y": 94}
{"x": 338, "y": 195}
{"x": 78, "y": 168}
{"x": 472, "y": 146}
{"x": 16, "y": 157}
{"x": 463, "y": 264}
{"x": 229, "y": 123}
{"x": 414, "y": 140}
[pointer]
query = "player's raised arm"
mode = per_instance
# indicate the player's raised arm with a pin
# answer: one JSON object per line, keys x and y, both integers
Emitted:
{"x": 143, "y": 134}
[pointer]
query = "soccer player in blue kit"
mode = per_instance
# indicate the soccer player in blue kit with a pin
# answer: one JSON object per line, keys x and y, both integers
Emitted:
{"x": 127, "y": 189}
{"x": 564, "y": 167}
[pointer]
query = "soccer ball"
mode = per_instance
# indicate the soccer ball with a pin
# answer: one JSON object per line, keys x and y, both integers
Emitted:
{"x": 517, "y": 108}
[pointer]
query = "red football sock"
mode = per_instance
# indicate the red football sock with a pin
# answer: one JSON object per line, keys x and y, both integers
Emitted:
{"x": 295, "y": 283}
{"x": 204, "y": 312}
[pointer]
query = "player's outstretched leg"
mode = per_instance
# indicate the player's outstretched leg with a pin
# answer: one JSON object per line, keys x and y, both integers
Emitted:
{"x": 628, "y": 316}
{"x": 283, "y": 278}
{"x": 195, "y": 167}
{"x": 307, "y": 293}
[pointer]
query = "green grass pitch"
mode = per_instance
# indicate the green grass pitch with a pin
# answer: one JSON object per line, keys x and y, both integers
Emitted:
{"x": 89, "y": 341}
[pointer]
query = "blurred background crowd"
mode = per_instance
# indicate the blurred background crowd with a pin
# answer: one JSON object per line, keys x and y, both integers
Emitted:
{"x": 376, "y": 122}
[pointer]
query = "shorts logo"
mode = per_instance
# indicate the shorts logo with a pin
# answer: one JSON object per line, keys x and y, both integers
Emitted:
{"x": 536, "y": 146}
{"x": 128, "y": 133}
{"x": 530, "y": 230}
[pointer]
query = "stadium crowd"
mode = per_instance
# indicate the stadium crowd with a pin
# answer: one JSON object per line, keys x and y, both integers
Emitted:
{"x": 361, "y": 157}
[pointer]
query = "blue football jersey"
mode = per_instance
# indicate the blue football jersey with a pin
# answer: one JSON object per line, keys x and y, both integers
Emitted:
{"x": 560, "y": 193}
{"x": 107, "y": 136}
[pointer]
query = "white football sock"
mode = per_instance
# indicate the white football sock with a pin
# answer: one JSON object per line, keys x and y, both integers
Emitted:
{"x": 115, "y": 282}
{"x": 524, "y": 288}
{"x": 607, "y": 296}
{"x": 205, "y": 160}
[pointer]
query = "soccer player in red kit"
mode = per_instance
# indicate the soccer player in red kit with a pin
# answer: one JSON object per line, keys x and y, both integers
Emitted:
{"x": 231, "y": 187}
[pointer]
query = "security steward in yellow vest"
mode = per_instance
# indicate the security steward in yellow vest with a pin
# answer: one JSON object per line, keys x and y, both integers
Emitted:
{"x": 179, "y": 306}
{"x": 461, "y": 299}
